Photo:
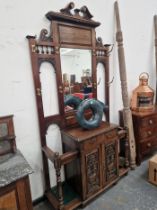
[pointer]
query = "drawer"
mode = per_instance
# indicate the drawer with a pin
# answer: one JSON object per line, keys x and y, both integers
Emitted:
{"x": 94, "y": 142}
{"x": 150, "y": 121}
{"x": 97, "y": 140}
{"x": 147, "y": 132}
{"x": 147, "y": 146}
{"x": 111, "y": 135}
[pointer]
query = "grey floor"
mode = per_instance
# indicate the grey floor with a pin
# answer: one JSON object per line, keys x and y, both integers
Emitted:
{"x": 132, "y": 192}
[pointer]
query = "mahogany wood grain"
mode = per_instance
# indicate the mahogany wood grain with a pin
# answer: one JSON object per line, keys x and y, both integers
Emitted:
{"x": 73, "y": 30}
{"x": 145, "y": 128}
{"x": 75, "y": 35}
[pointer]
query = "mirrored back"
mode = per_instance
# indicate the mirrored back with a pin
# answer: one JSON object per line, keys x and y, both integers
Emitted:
{"x": 76, "y": 67}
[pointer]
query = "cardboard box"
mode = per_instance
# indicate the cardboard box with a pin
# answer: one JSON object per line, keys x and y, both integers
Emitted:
{"x": 153, "y": 170}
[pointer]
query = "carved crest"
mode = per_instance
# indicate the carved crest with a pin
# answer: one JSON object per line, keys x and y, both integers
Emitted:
{"x": 83, "y": 12}
{"x": 43, "y": 36}
{"x": 86, "y": 13}
{"x": 67, "y": 10}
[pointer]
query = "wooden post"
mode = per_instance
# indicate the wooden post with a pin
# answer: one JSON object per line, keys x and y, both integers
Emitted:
{"x": 127, "y": 115}
{"x": 155, "y": 27}
{"x": 57, "y": 166}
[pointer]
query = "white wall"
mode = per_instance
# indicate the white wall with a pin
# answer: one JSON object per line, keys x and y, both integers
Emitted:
{"x": 75, "y": 62}
{"x": 19, "y": 18}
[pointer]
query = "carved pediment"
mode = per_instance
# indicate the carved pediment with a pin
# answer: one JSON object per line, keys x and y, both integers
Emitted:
{"x": 78, "y": 15}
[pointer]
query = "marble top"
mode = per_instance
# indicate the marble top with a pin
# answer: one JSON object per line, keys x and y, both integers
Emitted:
{"x": 13, "y": 167}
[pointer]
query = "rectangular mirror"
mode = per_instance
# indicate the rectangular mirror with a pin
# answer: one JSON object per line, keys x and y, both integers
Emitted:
{"x": 76, "y": 65}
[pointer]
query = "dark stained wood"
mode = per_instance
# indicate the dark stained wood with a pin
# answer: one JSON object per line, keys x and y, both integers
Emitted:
{"x": 145, "y": 130}
{"x": 81, "y": 16}
{"x": 67, "y": 9}
{"x": 64, "y": 158}
{"x": 49, "y": 153}
{"x": 68, "y": 157}
{"x": 75, "y": 35}
{"x": 145, "y": 133}
{"x": 80, "y": 147}
{"x": 16, "y": 196}
{"x": 79, "y": 134}
{"x": 97, "y": 166}
{"x": 73, "y": 204}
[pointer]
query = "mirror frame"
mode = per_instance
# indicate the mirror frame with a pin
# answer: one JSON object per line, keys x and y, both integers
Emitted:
{"x": 67, "y": 29}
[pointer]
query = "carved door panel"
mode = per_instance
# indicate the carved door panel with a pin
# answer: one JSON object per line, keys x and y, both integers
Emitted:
{"x": 92, "y": 172}
{"x": 110, "y": 161}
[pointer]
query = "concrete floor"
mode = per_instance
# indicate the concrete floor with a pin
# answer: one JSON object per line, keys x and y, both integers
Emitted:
{"x": 132, "y": 192}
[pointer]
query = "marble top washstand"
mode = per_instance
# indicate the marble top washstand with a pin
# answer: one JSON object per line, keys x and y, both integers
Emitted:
{"x": 12, "y": 168}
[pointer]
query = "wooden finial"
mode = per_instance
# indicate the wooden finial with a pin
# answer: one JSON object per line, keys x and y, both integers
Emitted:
{"x": 86, "y": 12}
{"x": 67, "y": 10}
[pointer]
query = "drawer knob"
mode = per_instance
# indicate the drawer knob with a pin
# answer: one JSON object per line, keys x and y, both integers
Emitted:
{"x": 150, "y": 122}
{"x": 149, "y": 145}
{"x": 149, "y": 133}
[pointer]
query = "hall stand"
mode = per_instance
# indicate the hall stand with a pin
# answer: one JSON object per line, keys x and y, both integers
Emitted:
{"x": 90, "y": 157}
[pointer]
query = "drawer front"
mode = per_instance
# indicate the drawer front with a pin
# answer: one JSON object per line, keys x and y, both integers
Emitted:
{"x": 149, "y": 145}
{"x": 92, "y": 143}
{"x": 147, "y": 132}
{"x": 112, "y": 135}
{"x": 150, "y": 121}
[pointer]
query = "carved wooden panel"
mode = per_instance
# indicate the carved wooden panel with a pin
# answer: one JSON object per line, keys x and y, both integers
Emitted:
{"x": 92, "y": 171}
{"x": 110, "y": 161}
{"x": 75, "y": 35}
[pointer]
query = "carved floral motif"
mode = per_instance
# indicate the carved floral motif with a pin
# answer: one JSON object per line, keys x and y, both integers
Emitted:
{"x": 92, "y": 161}
{"x": 111, "y": 169}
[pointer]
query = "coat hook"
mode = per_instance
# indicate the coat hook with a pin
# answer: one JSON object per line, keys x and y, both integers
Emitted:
{"x": 98, "y": 83}
{"x": 109, "y": 83}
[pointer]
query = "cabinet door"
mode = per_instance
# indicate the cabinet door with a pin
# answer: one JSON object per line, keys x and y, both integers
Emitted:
{"x": 16, "y": 196}
{"x": 110, "y": 161}
{"x": 92, "y": 172}
{"x": 8, "y": 201}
